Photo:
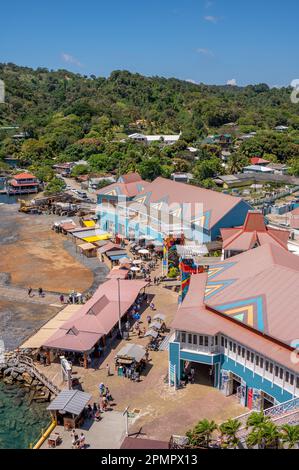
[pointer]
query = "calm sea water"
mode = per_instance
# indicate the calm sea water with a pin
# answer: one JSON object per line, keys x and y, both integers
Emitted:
{"x": 20, "y": 422}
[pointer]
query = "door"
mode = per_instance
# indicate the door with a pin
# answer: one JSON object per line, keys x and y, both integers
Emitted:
{"x": 226, "y": 383}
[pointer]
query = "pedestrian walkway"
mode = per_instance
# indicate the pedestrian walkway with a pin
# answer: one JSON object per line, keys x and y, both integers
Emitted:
{"x": 20, "y": 294}
{"x": 105, "y": 434}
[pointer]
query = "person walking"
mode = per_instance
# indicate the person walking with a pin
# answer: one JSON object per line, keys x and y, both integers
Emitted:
{"x": 29, "y": 291}
{"x": 108, "y": 370}
{"x": 40, "y": 291}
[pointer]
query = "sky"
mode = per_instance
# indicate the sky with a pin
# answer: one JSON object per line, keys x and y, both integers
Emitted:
{"x": 215, "y": 42}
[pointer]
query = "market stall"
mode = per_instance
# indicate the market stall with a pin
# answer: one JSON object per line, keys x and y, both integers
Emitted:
{"x": 130, "y": 361}
{"x": 68, "y": 408}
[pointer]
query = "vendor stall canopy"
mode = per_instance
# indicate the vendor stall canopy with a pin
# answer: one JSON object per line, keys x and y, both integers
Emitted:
{"x": 70, "y": 401}
{"x": 132, "y": 351}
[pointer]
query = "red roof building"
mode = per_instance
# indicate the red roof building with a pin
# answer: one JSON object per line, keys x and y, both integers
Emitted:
{"x": 97, "y": 317}
{"x": 23, "y": 183}
{"x": 259, "y": 161}
{"x": 252, "y": 234}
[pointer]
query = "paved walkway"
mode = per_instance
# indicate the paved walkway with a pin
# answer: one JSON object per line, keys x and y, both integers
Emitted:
{"x": 105, "y": 434}
{"x": 159, "y": 410}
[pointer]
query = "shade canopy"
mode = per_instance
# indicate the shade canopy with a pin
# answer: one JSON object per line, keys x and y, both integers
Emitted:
{"x": 160, "y": 316}
{"x": 70, "y": 401}
{"x": 156, "y": 325}
{"x": 135, "y": 268}
{"x": 137, "y": 261}
{"x": 131, "y": 351}
{"x": 151, "y": 333}
{"x": 143, "y": 251}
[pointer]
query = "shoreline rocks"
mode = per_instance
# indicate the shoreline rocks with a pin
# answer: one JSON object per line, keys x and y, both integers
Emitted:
{"x": 13, "y": 372}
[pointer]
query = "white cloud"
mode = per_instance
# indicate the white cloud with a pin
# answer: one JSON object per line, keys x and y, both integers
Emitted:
{"x": 205, "y": 51}
{"x": 191, "y": 81}
{"x": 232, "y": 82}
{"x": 211, "y": 19}
{"x": 69, "y": 59}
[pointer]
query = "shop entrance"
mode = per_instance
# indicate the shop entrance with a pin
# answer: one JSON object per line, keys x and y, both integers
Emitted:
{"x": 236, "y": 384}
{"x": 267, "y": 401}
{"x": 203, "y": 373}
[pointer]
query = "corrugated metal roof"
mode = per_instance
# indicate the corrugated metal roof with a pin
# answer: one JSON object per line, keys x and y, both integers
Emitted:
{"x": 71, "y": 401}
{"x": 133, "y": 351}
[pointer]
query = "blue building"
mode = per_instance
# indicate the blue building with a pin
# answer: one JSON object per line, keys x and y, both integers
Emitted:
{"x": 238, "y": 325}
{"x": 166, "y": 207}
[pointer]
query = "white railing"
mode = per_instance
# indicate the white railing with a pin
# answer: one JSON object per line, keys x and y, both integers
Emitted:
{"x": 275, "y": 412}
{"x": 200, "y": 349}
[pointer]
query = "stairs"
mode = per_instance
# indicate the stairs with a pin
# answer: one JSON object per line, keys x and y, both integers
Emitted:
{"x": 284, "y": 413}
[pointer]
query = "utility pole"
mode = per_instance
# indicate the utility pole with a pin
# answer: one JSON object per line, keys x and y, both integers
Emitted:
{"x": 126, "y": 415}
{"x": 119, "y": 309}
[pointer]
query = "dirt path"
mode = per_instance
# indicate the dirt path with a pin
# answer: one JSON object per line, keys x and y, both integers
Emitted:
{"x": 33, "y": 255}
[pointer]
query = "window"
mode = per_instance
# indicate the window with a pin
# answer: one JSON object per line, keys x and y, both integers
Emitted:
{"x": 243, "y": 352}
{"x": 248, "y": 355}
{"x": 297, "y": 382}
{"x": 276, "y": 371}
{"x": 216, "y": 340}
{"x": 183, "y": 337}
{"x": 271, "y": 368}
{"x": 261, "y": 362}
{"x": 267, "y": 366}
{"x": 225, "y": 342}
{"x": 257, "y": 360}
{"x": 206, "y": 341}
{"x": 230, "y": 346}
{"x": 239, "y": 350}
{"x": 201, "y": 340}
{"x": 234, "y": 347}
{"x": 287, "y": 377}
{"x": 190, "y": 338}
{"x": 252, "y": 358}
{"x": 291, "y": 379}
{"x": 281, "y": 373}
{"x": 194, "y": 339}
{"x": 222, "y": 341}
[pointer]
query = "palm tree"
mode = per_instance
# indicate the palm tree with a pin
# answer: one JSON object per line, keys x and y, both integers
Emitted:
{"x": 290, "y": 435}
{"x": 264, "y": 436}
{"x": 256, "y": 420}
{"x": 255, "y": 439}
{"x": 236, "y": 163}
{"x": 271, "y": 435}
{"x": 229, "y": 431}
{"x": 201, "y": 434}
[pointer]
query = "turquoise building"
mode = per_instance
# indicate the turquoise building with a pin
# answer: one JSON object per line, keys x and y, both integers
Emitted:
{"x": 237, "y": 326}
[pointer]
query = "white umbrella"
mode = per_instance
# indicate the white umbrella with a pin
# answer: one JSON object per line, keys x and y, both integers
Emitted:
{"x": 137, "y": 261}
{"x": 159, "y": 316}
{"x": 143, "y": 251}
{"x": 135, "y": 268}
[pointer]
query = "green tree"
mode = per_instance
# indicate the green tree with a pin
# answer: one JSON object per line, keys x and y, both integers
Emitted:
{"x": 229, "y": 430}
{"x": 290, "y": 435}
{"x": 55, "y": 186}
{"x": 149, "y": 169}
{"x": 201, "y": 434}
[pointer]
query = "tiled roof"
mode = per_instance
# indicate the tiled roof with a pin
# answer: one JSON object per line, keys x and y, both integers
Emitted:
{"x": 216, "y": 204}
{"x": 253, "y": 233}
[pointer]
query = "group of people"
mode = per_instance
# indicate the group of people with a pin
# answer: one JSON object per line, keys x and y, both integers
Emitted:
{"x": 78, "y": 442}
{"x": 40, "y": 292}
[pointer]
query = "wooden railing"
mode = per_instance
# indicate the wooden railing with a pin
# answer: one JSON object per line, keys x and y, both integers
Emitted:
{"x": 28, "y": 364}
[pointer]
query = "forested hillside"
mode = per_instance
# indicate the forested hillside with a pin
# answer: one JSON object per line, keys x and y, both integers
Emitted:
{"x": 67, "y": 117}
